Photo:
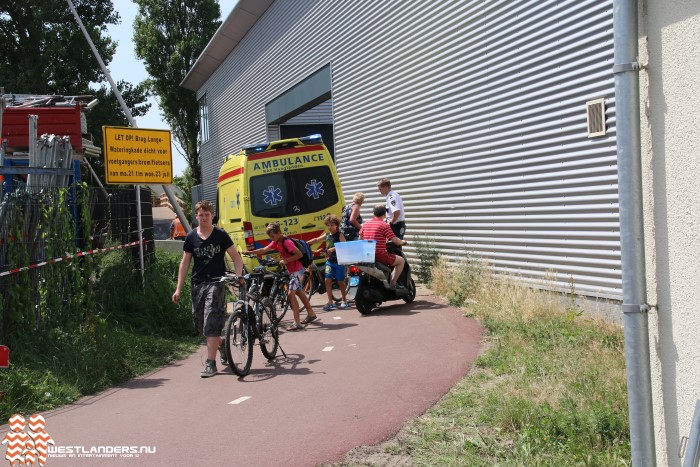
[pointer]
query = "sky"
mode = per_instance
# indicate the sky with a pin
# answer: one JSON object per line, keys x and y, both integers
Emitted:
{"x": 125, "y": 66}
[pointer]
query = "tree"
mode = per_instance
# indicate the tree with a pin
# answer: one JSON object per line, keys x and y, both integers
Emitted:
{"x": 43, "y": 51}
{"x": 185, "y": 182}
{"x": 109, "y": 112}
{"x": 169, "y": 36}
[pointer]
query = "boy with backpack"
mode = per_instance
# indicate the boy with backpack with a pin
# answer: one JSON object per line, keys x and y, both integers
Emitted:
{"x": 291, "y": 256}
{"x": 333, "y": 269}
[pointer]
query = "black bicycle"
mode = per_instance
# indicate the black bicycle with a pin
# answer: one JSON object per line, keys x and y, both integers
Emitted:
{"x": 259, "y": 282}
{"x": 315, "y": 281}
{"x": 278, "y": 293}
{"x": 252, "y": 318}
{"x": 273, "y": 288}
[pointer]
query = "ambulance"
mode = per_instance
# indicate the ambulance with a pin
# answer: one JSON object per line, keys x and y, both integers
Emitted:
{"x": 290, "y": 181}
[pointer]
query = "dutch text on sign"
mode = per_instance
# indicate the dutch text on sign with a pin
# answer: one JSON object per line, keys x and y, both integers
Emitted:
{"x": 137, "y": 155}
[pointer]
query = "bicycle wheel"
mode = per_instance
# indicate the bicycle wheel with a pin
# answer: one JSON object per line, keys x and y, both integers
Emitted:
{"x": 282, "y": 310}
{"x": 285, "y": 305}
{"x": 239, "y": 342}
{"x": 309, "y": 283}
{"x": 335, "y": 292}
{"x": 269, "y": 332}
{"x": 281, "y": 303}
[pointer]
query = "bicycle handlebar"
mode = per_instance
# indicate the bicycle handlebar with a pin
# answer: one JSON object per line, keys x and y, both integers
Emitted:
{"x": 231, "y": 277}
{"x": 266, "y": 262}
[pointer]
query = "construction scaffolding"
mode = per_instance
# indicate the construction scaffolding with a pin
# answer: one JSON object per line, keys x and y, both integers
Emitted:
{"x": 55, "y": 157}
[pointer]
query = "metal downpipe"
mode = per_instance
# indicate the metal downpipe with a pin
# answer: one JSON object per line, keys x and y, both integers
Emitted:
{"x": 636, "y": 318}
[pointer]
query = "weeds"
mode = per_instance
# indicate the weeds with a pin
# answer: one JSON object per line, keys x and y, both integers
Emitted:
{"x": 458, "y": 283}
{"x": 129, "y": 331}
{"x": 553, "y": 392}
{"x": 574, "y": 310}
{"x": 428, "y": 257}
{"x": 148, "y": 311}
{"x": 77, "y": 326}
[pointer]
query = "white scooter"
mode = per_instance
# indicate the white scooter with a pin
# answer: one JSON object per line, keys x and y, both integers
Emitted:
{"x": 368, "y": 283}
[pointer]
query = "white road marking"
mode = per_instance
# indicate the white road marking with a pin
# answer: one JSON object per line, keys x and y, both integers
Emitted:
{"x": 239, "y": 400}
{"x": 337, "y": 317}
{"x": 327, "y": 349}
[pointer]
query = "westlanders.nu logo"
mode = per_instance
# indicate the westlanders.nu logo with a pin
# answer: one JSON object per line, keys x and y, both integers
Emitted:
{"x": 100, "y": 451}
{"x": 25, "y": 448}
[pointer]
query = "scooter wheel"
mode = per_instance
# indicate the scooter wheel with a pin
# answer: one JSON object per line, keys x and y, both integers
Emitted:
{"x": 411, "y": 286}
{"x": 364, "y": 306}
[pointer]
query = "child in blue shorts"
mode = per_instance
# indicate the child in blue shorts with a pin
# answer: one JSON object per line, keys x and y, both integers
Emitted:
{"x": 333, "y": 269}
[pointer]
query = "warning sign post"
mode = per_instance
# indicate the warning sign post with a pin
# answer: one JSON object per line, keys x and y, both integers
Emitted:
{"x": 137, "y": 155}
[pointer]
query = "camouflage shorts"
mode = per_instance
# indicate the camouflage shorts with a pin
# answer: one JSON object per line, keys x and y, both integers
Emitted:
{"x": 296, "y": 279}
{"x": 209, "y": 308}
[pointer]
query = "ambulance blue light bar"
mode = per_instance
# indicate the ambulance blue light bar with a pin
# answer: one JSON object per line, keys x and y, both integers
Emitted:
{"x": 254, "y": 148}
{"x": 311, "y": 139}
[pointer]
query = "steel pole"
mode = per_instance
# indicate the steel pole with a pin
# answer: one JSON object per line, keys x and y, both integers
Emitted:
{"x": 132, "y": 122}
{"x": 127, "y": 112}
{"x": 692, "y": 454}
{"x": 636, "y": 316}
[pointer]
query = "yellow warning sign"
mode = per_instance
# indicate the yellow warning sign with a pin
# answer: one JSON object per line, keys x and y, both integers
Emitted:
{"x": 137, "y": 155}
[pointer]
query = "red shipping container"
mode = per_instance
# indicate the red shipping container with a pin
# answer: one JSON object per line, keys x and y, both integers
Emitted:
{"x": 60, "y": 121}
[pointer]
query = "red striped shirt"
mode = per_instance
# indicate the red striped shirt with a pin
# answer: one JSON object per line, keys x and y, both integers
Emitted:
{"x": 376, "y": 229}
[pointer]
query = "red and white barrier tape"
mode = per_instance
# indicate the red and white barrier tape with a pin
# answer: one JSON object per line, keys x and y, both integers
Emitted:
{"x": 67, "y": 257}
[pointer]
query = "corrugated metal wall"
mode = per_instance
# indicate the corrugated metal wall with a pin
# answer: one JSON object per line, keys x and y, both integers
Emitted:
{"x": 475, "y": 110}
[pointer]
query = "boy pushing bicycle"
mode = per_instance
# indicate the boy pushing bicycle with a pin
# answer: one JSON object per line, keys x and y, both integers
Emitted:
{"x": 208, "y": 246}
{"x": 290, "y": 258}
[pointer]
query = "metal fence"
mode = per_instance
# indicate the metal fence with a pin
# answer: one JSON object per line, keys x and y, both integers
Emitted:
{"x": 51, "y": 228}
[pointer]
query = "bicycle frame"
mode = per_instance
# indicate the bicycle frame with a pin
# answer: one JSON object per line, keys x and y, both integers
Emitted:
{"x": 253, "y": 318}
{"x": 315, "y": 282}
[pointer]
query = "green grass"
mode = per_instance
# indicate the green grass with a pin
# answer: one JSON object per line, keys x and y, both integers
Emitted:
{"x": 550, "y": 388}
{"x": 132, "y": 331}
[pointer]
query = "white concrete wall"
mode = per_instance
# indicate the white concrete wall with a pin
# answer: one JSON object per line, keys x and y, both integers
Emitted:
{"x": 670, "y": 94}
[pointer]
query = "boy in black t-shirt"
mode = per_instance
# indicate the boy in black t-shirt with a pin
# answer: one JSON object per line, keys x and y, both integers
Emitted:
{"x": 208, "y": 246}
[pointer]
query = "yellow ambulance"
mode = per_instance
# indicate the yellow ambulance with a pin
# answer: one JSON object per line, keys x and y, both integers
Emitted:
{"x": 291, "y": 181}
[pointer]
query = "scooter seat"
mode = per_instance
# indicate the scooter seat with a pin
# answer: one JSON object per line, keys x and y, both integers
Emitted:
{"x": 383, "y": 267}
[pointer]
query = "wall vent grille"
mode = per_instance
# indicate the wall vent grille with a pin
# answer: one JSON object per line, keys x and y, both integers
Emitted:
{"x": 596, "y": 117}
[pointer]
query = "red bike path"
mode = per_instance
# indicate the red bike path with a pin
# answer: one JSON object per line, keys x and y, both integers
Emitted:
{"x": 348, "y": 380}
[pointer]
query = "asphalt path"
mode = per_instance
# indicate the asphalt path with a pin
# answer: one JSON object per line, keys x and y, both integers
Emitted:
{"x": 348, "y": 380}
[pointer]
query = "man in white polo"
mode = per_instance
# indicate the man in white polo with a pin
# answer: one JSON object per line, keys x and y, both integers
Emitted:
{"x": 394, "y": 208}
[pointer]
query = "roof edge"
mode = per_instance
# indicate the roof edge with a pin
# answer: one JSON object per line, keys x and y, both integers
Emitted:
{"x": 242, "y": 18}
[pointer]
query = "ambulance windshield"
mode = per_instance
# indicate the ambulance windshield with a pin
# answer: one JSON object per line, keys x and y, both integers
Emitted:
{"x": 293, "y": 192}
